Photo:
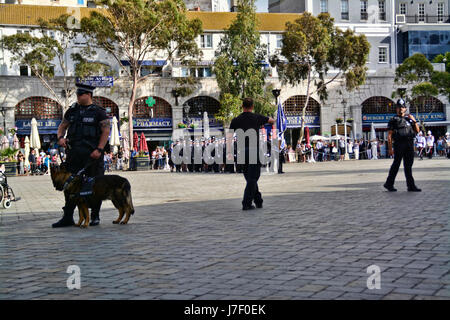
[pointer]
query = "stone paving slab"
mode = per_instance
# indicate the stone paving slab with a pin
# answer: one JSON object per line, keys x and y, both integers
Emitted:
{"x": 322, "y": 225}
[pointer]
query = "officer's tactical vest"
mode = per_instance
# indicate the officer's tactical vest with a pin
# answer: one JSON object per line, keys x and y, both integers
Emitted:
{"x": 84, "y": 127}
{"x": 403, "y": 129}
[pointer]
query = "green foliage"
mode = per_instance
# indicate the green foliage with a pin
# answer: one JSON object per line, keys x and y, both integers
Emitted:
{"x": 413, "y": 70}
{"x": 186, "y": 86}
{"x": 440, "y": 59}
{"x": 424, "y": 89}
{"x": 312, "y": 46}
{"x": 238, "y": 67}
{"x": 230, "y": 107}
{"x": 8, "y": 154}
{"x": 442, "y": 82}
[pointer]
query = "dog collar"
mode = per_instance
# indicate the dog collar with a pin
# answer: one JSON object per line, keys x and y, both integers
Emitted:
{"x": 69, "y": 180}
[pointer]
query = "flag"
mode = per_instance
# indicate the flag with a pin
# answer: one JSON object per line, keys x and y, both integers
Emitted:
{"x": 281, "y": 124}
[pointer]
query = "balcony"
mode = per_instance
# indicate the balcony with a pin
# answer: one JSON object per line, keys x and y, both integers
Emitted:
{"x": 427, "y": 19}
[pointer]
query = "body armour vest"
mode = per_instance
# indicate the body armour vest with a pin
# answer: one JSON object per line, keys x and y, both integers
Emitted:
{"x": 403, "y": 129}
{"x": 84, "y": 126}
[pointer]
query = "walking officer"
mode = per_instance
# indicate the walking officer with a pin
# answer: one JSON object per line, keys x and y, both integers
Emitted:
{"x": 403, "y": 129}
{"x": 87, "y": 127}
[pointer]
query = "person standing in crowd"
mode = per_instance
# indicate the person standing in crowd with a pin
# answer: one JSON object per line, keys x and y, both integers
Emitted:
{"x": 420, "y": 144}
{"x": 356, "y": 149}
{"x": 319, "y": 147}
{"x": 248, "y": 120}
{"x": 440, "y": 146}
{"x": 88, "y": 129}
{"x": 447, "y": 144}
{"x": 402, "y": 129}
{"x": 21, "y": 162}
{"x": 350, "y": 149}
{"x": 374, "y": 146}
{"x": 32, "y": 161}
{"x": 341, "y": 148}
{"x": 430, "y": 145}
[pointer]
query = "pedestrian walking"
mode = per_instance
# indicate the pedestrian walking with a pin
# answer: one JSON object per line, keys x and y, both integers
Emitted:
{"x": 248, "y": 120}
{"x": 402, "y": 129}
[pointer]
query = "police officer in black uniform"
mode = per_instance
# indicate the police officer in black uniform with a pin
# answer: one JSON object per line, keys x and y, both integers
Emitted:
{"x": 87, "y": 127}
{"x": 403, "y": 129}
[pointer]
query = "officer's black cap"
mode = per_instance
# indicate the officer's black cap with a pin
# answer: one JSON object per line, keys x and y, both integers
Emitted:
{"x": 400, "y": 103}
{"x": 84, "y": 88}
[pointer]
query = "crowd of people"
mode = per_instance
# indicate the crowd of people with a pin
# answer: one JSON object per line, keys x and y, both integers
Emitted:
{"x": 38, "y": 162}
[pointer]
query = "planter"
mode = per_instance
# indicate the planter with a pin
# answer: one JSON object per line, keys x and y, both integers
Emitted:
{"x": 10, "y": 169}
{"x": 142, "y": 163}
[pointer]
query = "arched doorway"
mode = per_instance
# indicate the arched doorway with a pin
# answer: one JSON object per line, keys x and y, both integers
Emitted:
{"x": 197, "y": 107}
{"x": 111, "y": 108}
{"x": 293, "y": 109}
{"x": 432, "y": 111}
{"x": 155, "y": 121}
{"x": 378, "y": 110}
{"x": 48, "y": 114}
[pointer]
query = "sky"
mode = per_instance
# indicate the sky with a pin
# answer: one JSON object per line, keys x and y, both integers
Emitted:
{"x": 261, "y": 5}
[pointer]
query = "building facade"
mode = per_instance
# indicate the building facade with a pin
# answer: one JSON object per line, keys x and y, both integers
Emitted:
{"x": 22, "y": 96}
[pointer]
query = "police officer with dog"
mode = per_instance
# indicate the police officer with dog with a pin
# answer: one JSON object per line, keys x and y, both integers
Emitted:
{"x": 402, "y": 129}
{"x": 87, "y": 127}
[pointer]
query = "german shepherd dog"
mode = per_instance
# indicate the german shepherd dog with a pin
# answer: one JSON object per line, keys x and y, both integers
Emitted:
{"x": 112, "y": 187}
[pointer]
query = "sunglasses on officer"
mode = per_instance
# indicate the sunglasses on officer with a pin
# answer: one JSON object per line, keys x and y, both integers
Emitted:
{"x": 81, "y": 92}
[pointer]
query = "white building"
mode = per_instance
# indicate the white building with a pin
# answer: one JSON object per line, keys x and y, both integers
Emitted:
{"x": 23, "y": 96}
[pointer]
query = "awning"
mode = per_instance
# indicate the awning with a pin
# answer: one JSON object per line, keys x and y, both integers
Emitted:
{"x": 158, "y": 63}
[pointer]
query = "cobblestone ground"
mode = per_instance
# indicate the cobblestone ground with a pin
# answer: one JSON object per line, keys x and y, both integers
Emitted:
{"x": 321, "y": 227}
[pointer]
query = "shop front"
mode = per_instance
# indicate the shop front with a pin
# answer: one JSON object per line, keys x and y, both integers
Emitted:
{"x": 293, "y": 108}
{"x": 48, "y": 114}
{"x": 194, "y": 116}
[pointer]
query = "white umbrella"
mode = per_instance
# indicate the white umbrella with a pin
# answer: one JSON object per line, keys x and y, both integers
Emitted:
{"x": 125, "y": 146}
{"x": 317, "y": 137}
{"x": 337, "y": 137}
{"x": 205, "y": 125}
{"x": 114, "y": 137}
{"x": 373, "y": 139}
{"x": 35, "y": 142}
{"x": 5, "y": 142}
{"x": 27, "y": 151}
{"x": 16, "y": 143}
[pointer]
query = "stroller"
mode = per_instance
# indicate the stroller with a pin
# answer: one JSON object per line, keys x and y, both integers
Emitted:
{"x": 6, "y": 192}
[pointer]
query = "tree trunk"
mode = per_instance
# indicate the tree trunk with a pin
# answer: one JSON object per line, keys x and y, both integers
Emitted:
{"x": 130, "y": 111}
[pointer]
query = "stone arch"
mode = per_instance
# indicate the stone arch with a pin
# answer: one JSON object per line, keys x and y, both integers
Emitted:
{"x": 294, "y": 106}
{"x": 111, "y": 108}
{"x": 198, "y": 105}
{"x": 378, "y": 105}
{"x": 426, "y": 105}
{"x": 161, "y": 109}
{"x": 38, "y": 107}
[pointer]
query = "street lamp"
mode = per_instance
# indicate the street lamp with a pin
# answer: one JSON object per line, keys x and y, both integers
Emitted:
{"x": 276, "y": 94}
{"x": 176, "y": 94}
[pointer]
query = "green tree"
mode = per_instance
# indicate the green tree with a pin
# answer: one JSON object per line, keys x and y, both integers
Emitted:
{"x": 230, "y": 107}
{"x": 442, "y": 82}
{"x": 42, "y": 53}
{"x": 137, "y": 30}
{"x": 443, "y": 58}
{"x": 416, "y": 72}
{"x": 239, "y": 65}
{"x": 312, "y": 46}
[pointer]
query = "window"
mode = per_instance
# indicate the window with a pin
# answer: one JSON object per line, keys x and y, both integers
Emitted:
{"x": 81, "y": 2}
{"x": 421, "y": 12}
{"x": 24, "y": 71}
{"x": 382, "y": 10}
{"x": 152, "y": 71}
{"x": 294, "y": 106}
{"x": 199, "y": 105}
{"x": 161, "y": 109}
{"x": 38, "y": 107}
{"x": 378, "y": 105}
{"x": 206, "y": 41}
{"x": 344, "y": 9}
{"x": 279, "y": 41}
{"x": 19, "y": 31}
{"x": 196, "y": 72}
{"x": 364, "y": 15}
{"x": 323, "y": 6}
{"x": 440, "y": 12}
{"x": 382, "y": 55}
{"x": 403, "y": 8}
{"x": 184, "y": 72}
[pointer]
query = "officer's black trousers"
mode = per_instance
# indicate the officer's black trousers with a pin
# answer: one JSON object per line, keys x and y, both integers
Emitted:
{"x": 252, "y": 172}
{"x": 403, "y": 151}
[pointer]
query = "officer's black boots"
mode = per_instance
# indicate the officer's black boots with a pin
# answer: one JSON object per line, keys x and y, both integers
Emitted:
{"x": 389, "y": 188}
{"x": 66, "y": 220}
{"x": 95, "y": 219}
{"x": 414, "y": 189}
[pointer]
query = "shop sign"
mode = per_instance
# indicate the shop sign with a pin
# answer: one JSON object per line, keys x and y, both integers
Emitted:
{"x": 152, "y": 123}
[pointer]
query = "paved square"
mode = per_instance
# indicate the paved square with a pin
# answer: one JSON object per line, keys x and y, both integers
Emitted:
{"x": 321, "y": 227}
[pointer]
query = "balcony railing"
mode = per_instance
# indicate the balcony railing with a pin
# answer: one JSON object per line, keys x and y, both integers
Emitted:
{"x": 427, "y": 19}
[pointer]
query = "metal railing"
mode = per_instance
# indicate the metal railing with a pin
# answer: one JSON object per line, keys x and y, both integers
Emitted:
{"x": 428, "y": 19}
